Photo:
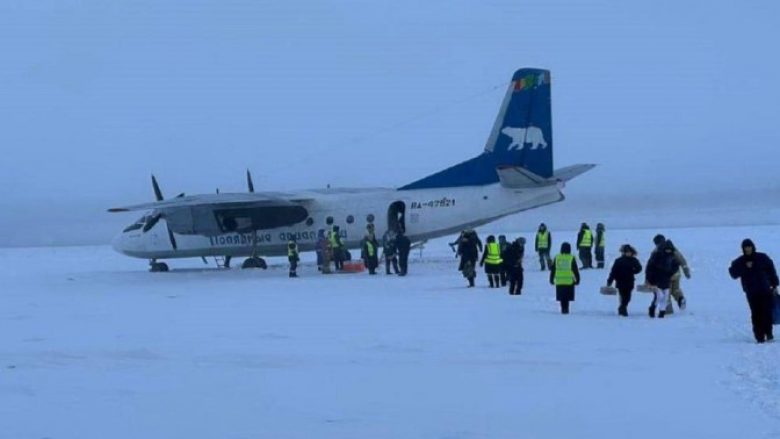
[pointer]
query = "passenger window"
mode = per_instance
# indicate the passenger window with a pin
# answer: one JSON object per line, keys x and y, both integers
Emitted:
{"x": 370, "y": 218}
{"x": 329, "y": 220}
{"x": 350, "y": 219}
{"x": 309, "y": 221}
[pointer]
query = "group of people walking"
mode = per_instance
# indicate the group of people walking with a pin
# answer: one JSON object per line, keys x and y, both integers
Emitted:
{"x": 501, "y": 259}
{"x": 663, "y": 272}
{"x": 664, "y": 269}
{"x": 503, "y": 265}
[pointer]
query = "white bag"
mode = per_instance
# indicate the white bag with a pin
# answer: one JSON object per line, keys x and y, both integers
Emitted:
{"x": 644, "y": 288}
{"x": 608, "y": 291}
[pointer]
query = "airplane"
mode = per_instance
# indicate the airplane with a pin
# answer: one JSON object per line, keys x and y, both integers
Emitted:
{"x": 512, "y": 174}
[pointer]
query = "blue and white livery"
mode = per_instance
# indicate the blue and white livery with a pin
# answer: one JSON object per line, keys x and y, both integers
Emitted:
{"x": 513, "y": 173}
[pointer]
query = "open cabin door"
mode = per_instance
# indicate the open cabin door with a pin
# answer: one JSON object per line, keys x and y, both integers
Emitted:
{"x": 396, "y": 217}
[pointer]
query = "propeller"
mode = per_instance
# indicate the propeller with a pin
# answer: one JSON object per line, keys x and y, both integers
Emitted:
{"x": 151, "y": 222}
{"x": 249, "y": 182}
{"x": 157, "y": 192}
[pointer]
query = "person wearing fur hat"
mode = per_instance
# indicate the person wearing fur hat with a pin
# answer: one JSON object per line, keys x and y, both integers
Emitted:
{"x": 659, "y": 271}
{"x": 623, "y": 273}
{"x": 759, "y": 280}
{"x": 675, "y": 291}
{"x": 565, "y": 276}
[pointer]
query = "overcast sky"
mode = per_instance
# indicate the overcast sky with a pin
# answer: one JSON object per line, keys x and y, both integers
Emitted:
{"x": 94, "y": 96}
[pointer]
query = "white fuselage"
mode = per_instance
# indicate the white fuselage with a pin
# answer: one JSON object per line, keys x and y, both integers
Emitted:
{"x": 429, "y": 213}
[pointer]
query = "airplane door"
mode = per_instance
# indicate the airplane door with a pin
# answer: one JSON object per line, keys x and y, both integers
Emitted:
{"x": 396, "y": 216}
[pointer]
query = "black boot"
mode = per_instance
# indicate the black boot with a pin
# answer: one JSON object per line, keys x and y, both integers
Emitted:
{"x": 661, "y": 314}
{"x": 651, "y": 311}
{"x": 490, "y": 279}
{"x": 471, "y": 282}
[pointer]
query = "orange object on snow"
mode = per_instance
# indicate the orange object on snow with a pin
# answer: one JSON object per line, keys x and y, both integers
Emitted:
{"x": 354, "y": 267}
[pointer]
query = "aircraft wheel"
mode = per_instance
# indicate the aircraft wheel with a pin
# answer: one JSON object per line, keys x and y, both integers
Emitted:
{"x": 254, "y": 263}
{"x": 158, "y": 267}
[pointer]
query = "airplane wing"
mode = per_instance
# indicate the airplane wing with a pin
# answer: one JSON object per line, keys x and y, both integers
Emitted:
{"x": 221, "y": 200}
{"x": 214, "y": 214}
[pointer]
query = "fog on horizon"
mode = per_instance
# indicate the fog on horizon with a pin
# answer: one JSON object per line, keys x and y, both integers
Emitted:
{"x": 667, "y": 97}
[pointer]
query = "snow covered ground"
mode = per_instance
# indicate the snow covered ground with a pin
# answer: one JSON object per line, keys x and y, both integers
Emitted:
{"x": 93, "y": 346}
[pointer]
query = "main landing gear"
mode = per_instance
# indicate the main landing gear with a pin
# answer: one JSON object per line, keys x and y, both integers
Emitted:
{"x": 254, "y": 262}
{"x": 157, "y": 267}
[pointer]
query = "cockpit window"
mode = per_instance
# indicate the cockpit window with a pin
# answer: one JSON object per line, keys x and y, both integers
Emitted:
{"x": 132, "y": 227}
{"x": 137, "y": 224}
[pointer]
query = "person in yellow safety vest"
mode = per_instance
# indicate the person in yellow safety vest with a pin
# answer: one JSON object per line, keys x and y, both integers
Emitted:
{"x": 543, "y": 245}
{"x": 601, "y": 243}
{"x": 491, "y": 260}
{"x": 369, "y": 248}
{"x": 293, "y": 257}
{"x": 564, "y": 275}
{"x": 584, "y": 245}
{"x": 336, "y": 248}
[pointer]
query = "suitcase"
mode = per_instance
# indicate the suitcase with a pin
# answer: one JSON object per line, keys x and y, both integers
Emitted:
{"x": 608, "y": 291}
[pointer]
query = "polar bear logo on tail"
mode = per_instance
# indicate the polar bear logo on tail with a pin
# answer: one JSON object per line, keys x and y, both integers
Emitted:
{"x": 521, "y": 136}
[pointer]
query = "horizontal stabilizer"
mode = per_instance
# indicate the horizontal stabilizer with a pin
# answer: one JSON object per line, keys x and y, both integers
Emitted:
{"x": 569, "y": 172}
{"x": 515, "y": 177}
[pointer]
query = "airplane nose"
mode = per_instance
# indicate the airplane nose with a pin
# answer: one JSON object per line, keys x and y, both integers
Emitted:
{"x": 118, "y": 243}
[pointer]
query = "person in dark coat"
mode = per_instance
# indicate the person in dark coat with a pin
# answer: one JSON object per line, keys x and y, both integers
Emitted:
{"x": 390, "y": 251}
{"x": 321, "y": 246}
{"x": 759, "y": 280}
{"x": 503, "y": 245}
{"x": 468, "y": 250}
{"x": 660, "y": 269}
{"x": 403, "y": 245}
{"x": 293, "y": 257}
{"x": 513, "y": 261}
{"x": 565, "y": 276}
{"x": 368, "y": 252}
{"x": 601, "y": 243}
{"x": 623, "y": 273}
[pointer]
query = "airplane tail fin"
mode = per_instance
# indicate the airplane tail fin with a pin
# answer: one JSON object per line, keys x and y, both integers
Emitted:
{"x": 521, "y": 137}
